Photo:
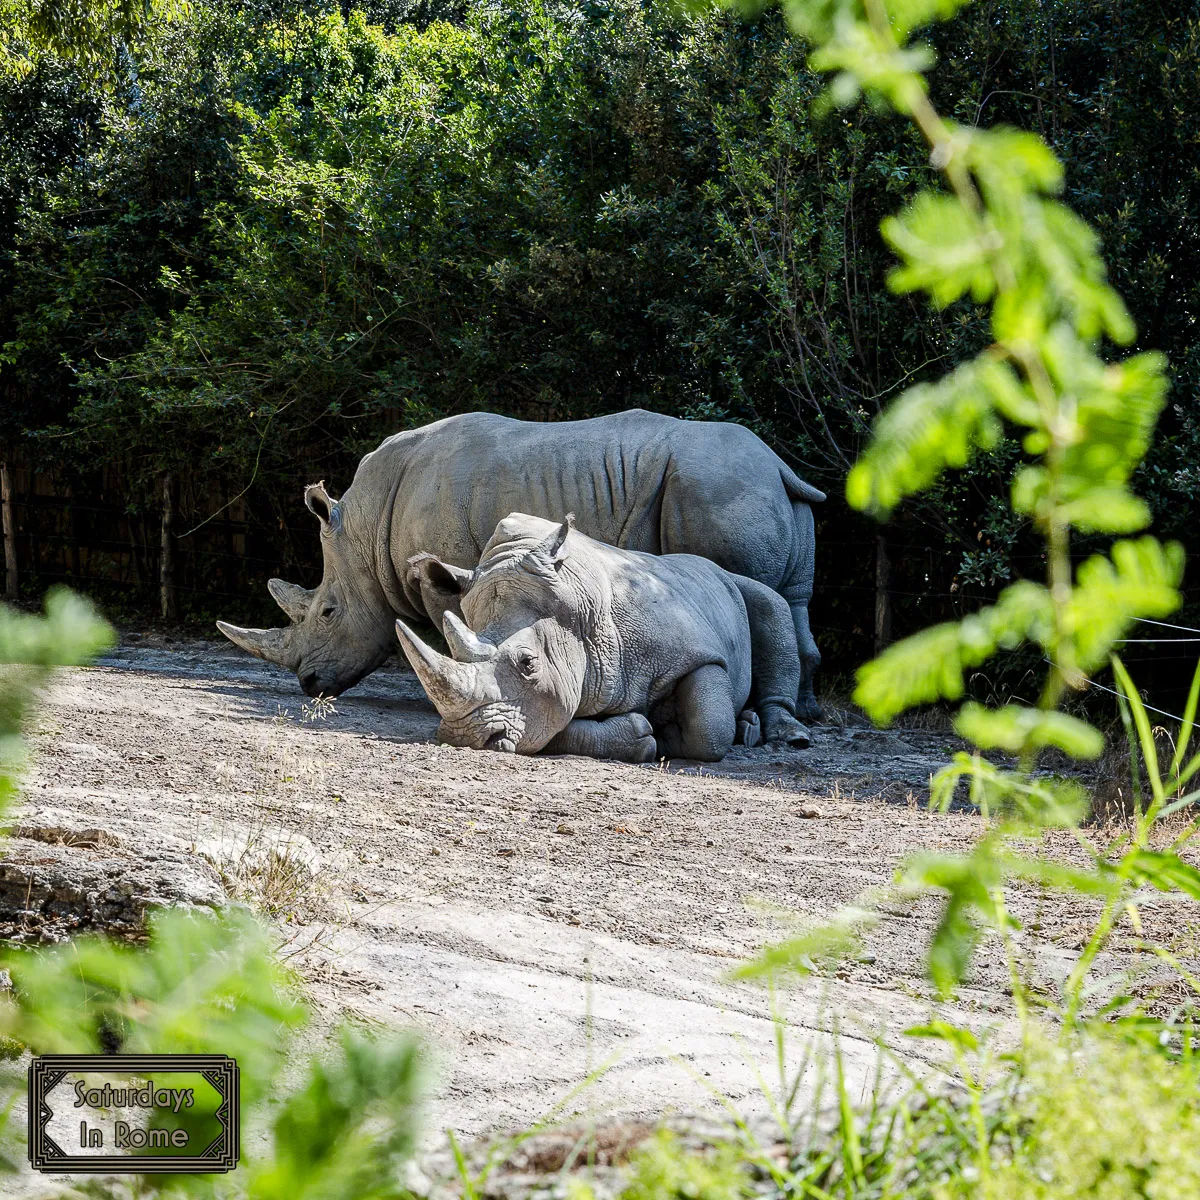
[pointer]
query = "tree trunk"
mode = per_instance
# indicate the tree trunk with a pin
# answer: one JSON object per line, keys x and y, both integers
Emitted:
{"x": 883, "y": 602}
{"x": 10, "y": 533}
{"x": 166, "y": 560}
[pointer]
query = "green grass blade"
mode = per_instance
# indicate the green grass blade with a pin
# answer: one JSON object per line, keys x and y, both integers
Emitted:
{"x": 1189, "y": 722}
{"x": 1145, "y": 737}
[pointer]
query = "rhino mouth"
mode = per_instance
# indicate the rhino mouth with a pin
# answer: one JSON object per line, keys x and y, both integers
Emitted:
{"x": 495, "y": 726}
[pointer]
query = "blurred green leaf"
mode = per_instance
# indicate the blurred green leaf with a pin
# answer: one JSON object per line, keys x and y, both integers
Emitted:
{"x": 70, "y": 633}
{"x": 930, "y": 665}
{"x": 1162, "y": 870}
{"x": 1041, "y": 802}
{"x": 1012, "y": 162}
{"x": 208, "y": 981}
{"x": 945, "y": 250}
{"x": 1141, "y": 579}
{"x": 802, "y": 952}
{"x": 1017, "y": 729}
{"x": 958, "y": 1037}
{"x": 666, "y": 1168}
{"x": 971, "y": 884}
{"x": 346, "y": 1130}
{"x": 929, "y": 428}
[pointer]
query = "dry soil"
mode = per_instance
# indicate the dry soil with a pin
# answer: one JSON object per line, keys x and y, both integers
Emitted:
{"x": 536, "y": 918}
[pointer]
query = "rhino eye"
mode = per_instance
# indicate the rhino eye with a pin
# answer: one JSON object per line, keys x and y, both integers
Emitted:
{"x": 328, "y": 610}
{"x": 526, "y": 663}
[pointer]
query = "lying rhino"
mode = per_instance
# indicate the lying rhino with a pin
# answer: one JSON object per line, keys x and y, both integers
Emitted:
{"x": 577, "y": 647}
{"x": 636, "y": 479}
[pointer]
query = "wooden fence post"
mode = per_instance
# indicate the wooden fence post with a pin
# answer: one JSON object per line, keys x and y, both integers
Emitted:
{"x": 166, "y": 560}
{"x": 11, "y": 580}
{"x": 883, "y": 602}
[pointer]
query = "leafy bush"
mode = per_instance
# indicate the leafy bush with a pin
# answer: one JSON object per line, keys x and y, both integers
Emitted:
{"x": 1103, "y": 1119}
{"x": 1056, "y": 1122}
{"x": 341, "y": 1123}
{"x": 997, "y": 234}
{"x": 1106, "y": 1120}
{"x": 30, "y": 647}
{"x": 662, "y": 1171}
{"x": 298, "y": 229}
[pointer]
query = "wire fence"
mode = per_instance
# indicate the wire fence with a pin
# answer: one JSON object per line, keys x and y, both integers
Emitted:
{"x": 96, "y": 543}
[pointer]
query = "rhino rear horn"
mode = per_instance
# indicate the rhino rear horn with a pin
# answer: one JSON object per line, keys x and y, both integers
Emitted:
{"x": 272, "y": 645}
{"x": 291, "y": 597}
{"x": 465, "y": 645}
{"x": 453, "y": 687}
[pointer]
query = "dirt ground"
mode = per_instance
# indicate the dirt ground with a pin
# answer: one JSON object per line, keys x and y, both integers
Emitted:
{"x": 535, "y": 918}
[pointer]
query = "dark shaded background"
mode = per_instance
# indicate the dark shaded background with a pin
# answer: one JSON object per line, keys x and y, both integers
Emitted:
{"x": 282, "y": 235}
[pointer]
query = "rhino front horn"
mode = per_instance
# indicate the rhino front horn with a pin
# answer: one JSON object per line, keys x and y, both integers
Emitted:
{"x": 450, "y": 685}
{"x": 268, "y": 644}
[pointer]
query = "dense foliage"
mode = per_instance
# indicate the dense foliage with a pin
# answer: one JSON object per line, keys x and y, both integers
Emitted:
{"x": 1053, "y": 375}
{"x": 274, "y": 234}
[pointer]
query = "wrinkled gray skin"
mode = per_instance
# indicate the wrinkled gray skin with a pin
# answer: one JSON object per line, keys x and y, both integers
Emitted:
{"x": 636, "y": 480}
{"x": 576, "y": 647}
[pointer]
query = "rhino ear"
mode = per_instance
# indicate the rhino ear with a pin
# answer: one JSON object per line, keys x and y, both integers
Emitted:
{"x": 548, "y": 556}
{"x": 444, "y": 577}
{"x": 323, "y": 506}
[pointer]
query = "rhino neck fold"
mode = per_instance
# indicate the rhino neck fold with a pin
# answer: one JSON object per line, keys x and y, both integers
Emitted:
{"x": 602, "y": 683}
{"x": 376, "y": 549}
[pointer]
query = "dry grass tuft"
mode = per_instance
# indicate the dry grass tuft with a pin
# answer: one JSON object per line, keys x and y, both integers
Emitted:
{"x": 266, "y": 824}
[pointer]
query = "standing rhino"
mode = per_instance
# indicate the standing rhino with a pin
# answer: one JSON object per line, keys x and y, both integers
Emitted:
{"x": 636, "y": 480}
{"x": 581, "y": 648}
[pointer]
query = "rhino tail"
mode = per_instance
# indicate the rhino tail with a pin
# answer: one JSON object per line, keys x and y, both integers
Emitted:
{"x": 796, "y": 488}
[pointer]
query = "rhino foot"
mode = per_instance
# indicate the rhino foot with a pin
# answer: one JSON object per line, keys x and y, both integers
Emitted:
{"x": 749, "y": 729}
{"x": 807, "y": 708}
{"x": 643, "y": 746}
{"x": 783, "y": 729}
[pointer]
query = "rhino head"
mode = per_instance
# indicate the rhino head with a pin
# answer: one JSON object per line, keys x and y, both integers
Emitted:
{"x": 519, "y": 681}
{"x": 339, "y": 631}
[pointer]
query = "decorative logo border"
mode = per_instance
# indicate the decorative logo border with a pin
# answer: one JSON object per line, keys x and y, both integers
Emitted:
{"x": 219, "y": 1156}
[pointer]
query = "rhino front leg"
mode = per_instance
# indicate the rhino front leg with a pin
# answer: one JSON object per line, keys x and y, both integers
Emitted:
{"x": 628, "y": 737}
{"x": 698, "y": 719}
{"x": 749, "y": 729}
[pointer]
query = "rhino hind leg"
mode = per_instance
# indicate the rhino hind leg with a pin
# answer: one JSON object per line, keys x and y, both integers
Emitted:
{"x": 628, "y": 737}
{"x": 807, "y": 707}
{"x": 797, "y": 590}
{"x": 698, "y": 719}
{"x": 809, "y": 657}
{"x": 749, "y": 729}
{"x": 775, "y": 663}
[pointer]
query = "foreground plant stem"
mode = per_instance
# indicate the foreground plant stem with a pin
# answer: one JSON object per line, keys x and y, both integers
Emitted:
{"x": 945, "y": 156}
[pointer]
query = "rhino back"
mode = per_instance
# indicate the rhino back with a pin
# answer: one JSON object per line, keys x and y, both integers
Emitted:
{"x": 443, "y": 488}
{"x": 636, "y": 480}
{"x": 673, "y": 613}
